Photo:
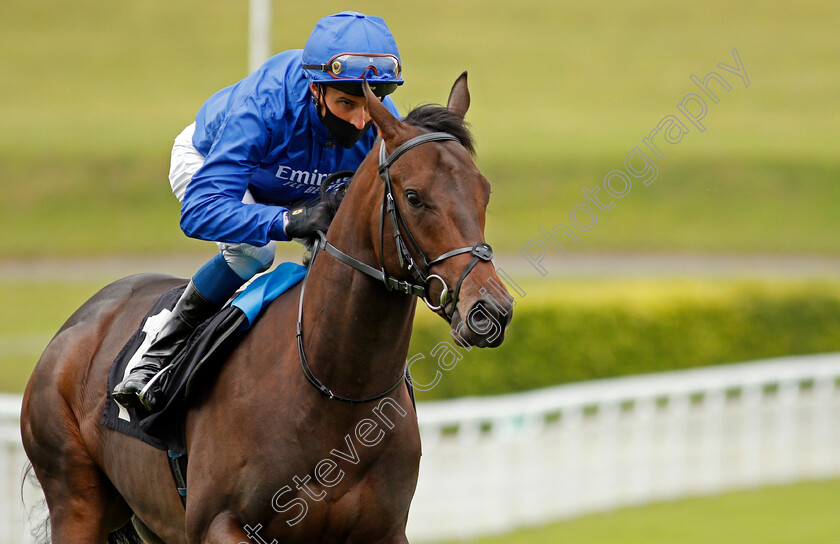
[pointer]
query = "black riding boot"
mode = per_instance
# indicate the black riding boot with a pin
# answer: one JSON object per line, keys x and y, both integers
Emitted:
{"x": 191, "y": 310}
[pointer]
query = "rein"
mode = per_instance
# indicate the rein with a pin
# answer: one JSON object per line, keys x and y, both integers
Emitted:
{"x": 481, "y": 251}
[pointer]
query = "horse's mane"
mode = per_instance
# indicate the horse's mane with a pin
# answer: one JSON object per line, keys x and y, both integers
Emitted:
{"x": 439, "y": 119}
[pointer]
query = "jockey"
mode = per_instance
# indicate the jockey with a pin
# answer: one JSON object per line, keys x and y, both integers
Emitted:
{"x": 256, "y": 151}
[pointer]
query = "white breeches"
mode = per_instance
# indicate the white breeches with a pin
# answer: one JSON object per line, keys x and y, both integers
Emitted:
{"x": 244, "y": 259}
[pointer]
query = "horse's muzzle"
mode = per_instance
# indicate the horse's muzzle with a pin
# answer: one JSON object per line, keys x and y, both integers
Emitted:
{"x": 485, "y": 324}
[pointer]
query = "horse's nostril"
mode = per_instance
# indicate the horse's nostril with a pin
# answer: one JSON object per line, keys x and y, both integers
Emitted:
{"x": 481, "y": 324}
{"x": 483, "y": 320}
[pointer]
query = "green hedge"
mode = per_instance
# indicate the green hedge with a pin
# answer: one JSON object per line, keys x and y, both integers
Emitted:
{"x": 576, "y": 332}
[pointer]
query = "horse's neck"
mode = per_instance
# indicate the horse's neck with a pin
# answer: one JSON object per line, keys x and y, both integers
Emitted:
{"x": 356, "y": 333}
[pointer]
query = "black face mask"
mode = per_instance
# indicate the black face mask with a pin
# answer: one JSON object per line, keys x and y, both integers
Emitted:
{"x": 344, "y": 133}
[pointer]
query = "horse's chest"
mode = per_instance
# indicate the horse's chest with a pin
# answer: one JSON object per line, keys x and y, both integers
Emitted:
{"x": 354, "y": 487}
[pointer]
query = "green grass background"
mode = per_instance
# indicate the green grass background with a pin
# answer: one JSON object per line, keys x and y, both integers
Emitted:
{"x": 93, "y": 94}
{"x": 804, "y": 513}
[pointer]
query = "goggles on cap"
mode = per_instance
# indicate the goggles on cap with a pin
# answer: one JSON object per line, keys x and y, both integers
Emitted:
{"x": 359, "y": 66}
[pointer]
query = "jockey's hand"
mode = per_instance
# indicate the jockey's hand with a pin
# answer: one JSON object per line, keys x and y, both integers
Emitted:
{"x": 305, "y": 222}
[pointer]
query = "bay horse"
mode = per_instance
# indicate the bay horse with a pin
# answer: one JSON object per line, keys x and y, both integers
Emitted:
{"x": 255, "y": 435}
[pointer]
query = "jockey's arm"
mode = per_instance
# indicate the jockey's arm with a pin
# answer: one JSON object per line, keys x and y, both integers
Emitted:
{"x": 212, "y": 208}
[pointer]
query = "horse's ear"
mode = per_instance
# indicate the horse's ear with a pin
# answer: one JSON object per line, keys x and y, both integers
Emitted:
{"x": 459, "y": 96}
{"x": 388, "y": 125}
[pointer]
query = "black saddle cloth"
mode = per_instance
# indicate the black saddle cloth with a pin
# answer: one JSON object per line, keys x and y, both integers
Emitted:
{"x": 195, "y": 365}
{"x": 208, "y": 344}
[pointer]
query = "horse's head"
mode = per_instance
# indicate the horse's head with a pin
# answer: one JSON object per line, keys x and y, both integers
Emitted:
{"x": 434, "y": 236}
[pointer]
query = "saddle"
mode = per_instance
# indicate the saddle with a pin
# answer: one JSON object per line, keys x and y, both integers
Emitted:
{"x": 192, "y": 367}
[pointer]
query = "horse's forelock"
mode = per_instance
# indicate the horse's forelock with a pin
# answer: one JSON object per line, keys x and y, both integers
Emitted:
{"x": 437, "y": 118}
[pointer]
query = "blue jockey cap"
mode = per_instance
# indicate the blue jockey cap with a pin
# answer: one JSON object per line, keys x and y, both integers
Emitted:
{"x": 349, "y": 47}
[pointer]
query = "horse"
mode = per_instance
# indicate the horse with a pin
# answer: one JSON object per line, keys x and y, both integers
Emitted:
{"x": 256, "y": 432}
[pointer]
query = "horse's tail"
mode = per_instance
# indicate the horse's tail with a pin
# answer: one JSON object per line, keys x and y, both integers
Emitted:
{"x": 37, "y": 515}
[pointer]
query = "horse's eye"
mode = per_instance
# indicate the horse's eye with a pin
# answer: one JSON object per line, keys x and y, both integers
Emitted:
{"x": 413, "y": 199}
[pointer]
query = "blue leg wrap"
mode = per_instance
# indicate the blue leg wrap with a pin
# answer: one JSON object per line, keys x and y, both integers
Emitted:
{"x": 216, "y": 281}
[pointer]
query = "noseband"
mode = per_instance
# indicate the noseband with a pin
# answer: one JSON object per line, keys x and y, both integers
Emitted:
{"x": 481, "y": 251}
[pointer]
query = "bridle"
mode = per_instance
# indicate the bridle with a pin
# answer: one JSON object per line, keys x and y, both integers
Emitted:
{"x": 481, "y": 251}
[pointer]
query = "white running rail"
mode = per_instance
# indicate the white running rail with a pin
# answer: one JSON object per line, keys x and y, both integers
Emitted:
{"x": 493, "y": 464}
{"x": 496, "y": 463}
{"x": 13, "y": 528}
